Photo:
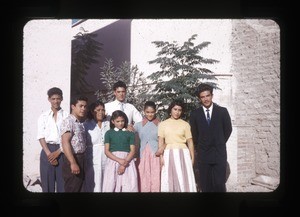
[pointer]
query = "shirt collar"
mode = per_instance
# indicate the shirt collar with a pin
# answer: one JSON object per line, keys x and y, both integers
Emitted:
{"x": 74, "y": 118}
{"x": 210, "y": 108}
{"x": 104, "y": 122}
{"x": 116, "y": 129}
{"x": 118, "y": 102}
{"x": 145, "y": 121}
{"x": 50, "y": 112}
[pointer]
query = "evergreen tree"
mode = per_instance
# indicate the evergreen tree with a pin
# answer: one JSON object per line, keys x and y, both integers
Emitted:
{"x": 181, "y": 72}
{"x": 85, "y": 51}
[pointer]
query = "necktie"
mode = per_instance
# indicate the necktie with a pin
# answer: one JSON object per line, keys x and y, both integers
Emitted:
{"x": 207, "y": 116}
{"x": 122, "y": 106}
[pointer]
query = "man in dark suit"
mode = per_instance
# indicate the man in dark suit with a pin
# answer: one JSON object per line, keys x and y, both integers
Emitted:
{"x": 211, "y": 127}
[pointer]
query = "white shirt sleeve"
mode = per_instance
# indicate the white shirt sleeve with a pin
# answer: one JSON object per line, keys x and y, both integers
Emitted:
{"x": 41, "y": 127}
{"x": 137, "y": 116}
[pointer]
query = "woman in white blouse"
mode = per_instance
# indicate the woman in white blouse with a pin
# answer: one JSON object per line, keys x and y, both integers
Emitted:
{"x": 96, "y": 126}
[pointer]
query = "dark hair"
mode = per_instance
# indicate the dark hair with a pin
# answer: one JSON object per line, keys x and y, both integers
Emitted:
{"x": 174, "y": 103}
{"x": 115, "y": 115}
{"x": 203, "y": 87}
{"x": 119, "y": 84}
{"x": 150, "y": 104}
{"x": 92, "y": 108}
{"x": 75, "y": 99}
{"x": 54, "y": 90}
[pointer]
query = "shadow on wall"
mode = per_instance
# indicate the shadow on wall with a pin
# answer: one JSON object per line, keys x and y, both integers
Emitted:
{"x": 115, "y": 40}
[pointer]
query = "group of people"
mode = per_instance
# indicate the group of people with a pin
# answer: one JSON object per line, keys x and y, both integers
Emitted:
{"x": 112, "y": 147}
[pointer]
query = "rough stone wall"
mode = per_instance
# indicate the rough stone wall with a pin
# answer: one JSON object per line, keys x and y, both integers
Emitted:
{"x": 256, "y": 68}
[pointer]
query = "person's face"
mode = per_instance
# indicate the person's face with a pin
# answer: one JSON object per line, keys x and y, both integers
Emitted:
{"x": 99, "y": 113}
{"x": 149, "y": 113}
{"x": 205, "y": 98}
{"x": 55, "y": 101}
{"x": 176, "y": 112}
{"x": 119, "y": 122}
{"x": 79, "y": 110}
{"x": 120, "y": 94}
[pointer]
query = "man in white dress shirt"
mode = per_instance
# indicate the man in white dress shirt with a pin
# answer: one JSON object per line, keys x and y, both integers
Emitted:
{"x": 120, "y": 103}
{"x": 49, "y": 137}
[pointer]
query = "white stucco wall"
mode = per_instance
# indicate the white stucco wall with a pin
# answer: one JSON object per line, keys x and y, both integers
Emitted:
{"x": 216, "y": 31}
{"x": 46, "y": 63}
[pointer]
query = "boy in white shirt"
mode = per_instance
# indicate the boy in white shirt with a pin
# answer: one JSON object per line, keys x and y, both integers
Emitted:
{"x": 49, "y": 137}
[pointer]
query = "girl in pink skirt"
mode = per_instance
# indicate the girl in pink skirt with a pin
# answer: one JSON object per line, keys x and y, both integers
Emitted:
{"x": 148, "y": 164}
{"x": 120, "y": 171}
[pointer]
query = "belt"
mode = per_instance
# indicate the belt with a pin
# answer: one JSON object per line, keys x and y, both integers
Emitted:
{"x": 79, "y": 153}
{"x": 53, "y": 144}
{"x": 90, "y": 146}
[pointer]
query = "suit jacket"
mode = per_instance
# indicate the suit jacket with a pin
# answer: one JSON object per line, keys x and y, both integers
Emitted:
{"x": 210, "y": 140}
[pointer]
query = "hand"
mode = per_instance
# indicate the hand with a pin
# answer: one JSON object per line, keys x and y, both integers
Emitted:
{"x": 193, "y": 160}
{"x": 162, "y": 162}
{"x": 130, "y": 128}
{"x": 54, "y": 162}
{"x": 52, "y": 157}
{"x": 75, "y": 169}
{"x": 123, "y": 162}
{"x": 121, "y": 170}
{"x": 126, "y": 163}
{"x": 159, "y": 152}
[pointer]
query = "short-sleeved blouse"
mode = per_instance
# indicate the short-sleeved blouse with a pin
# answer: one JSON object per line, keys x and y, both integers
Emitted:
{"x": 119, "y": 140}
{"x": 175, "y": 132}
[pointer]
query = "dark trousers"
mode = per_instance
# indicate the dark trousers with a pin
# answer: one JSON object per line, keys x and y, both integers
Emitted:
{"x": 51, "y": 176}
{"x": 212, "y": 177}
{"x": 74, "y": 183}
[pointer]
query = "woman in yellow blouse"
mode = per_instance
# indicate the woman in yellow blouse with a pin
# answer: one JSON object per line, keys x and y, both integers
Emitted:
{"x": 176, "y": 149}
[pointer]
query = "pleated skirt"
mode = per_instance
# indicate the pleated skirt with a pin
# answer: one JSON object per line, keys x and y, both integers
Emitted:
{"x": 177, "y": 173}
